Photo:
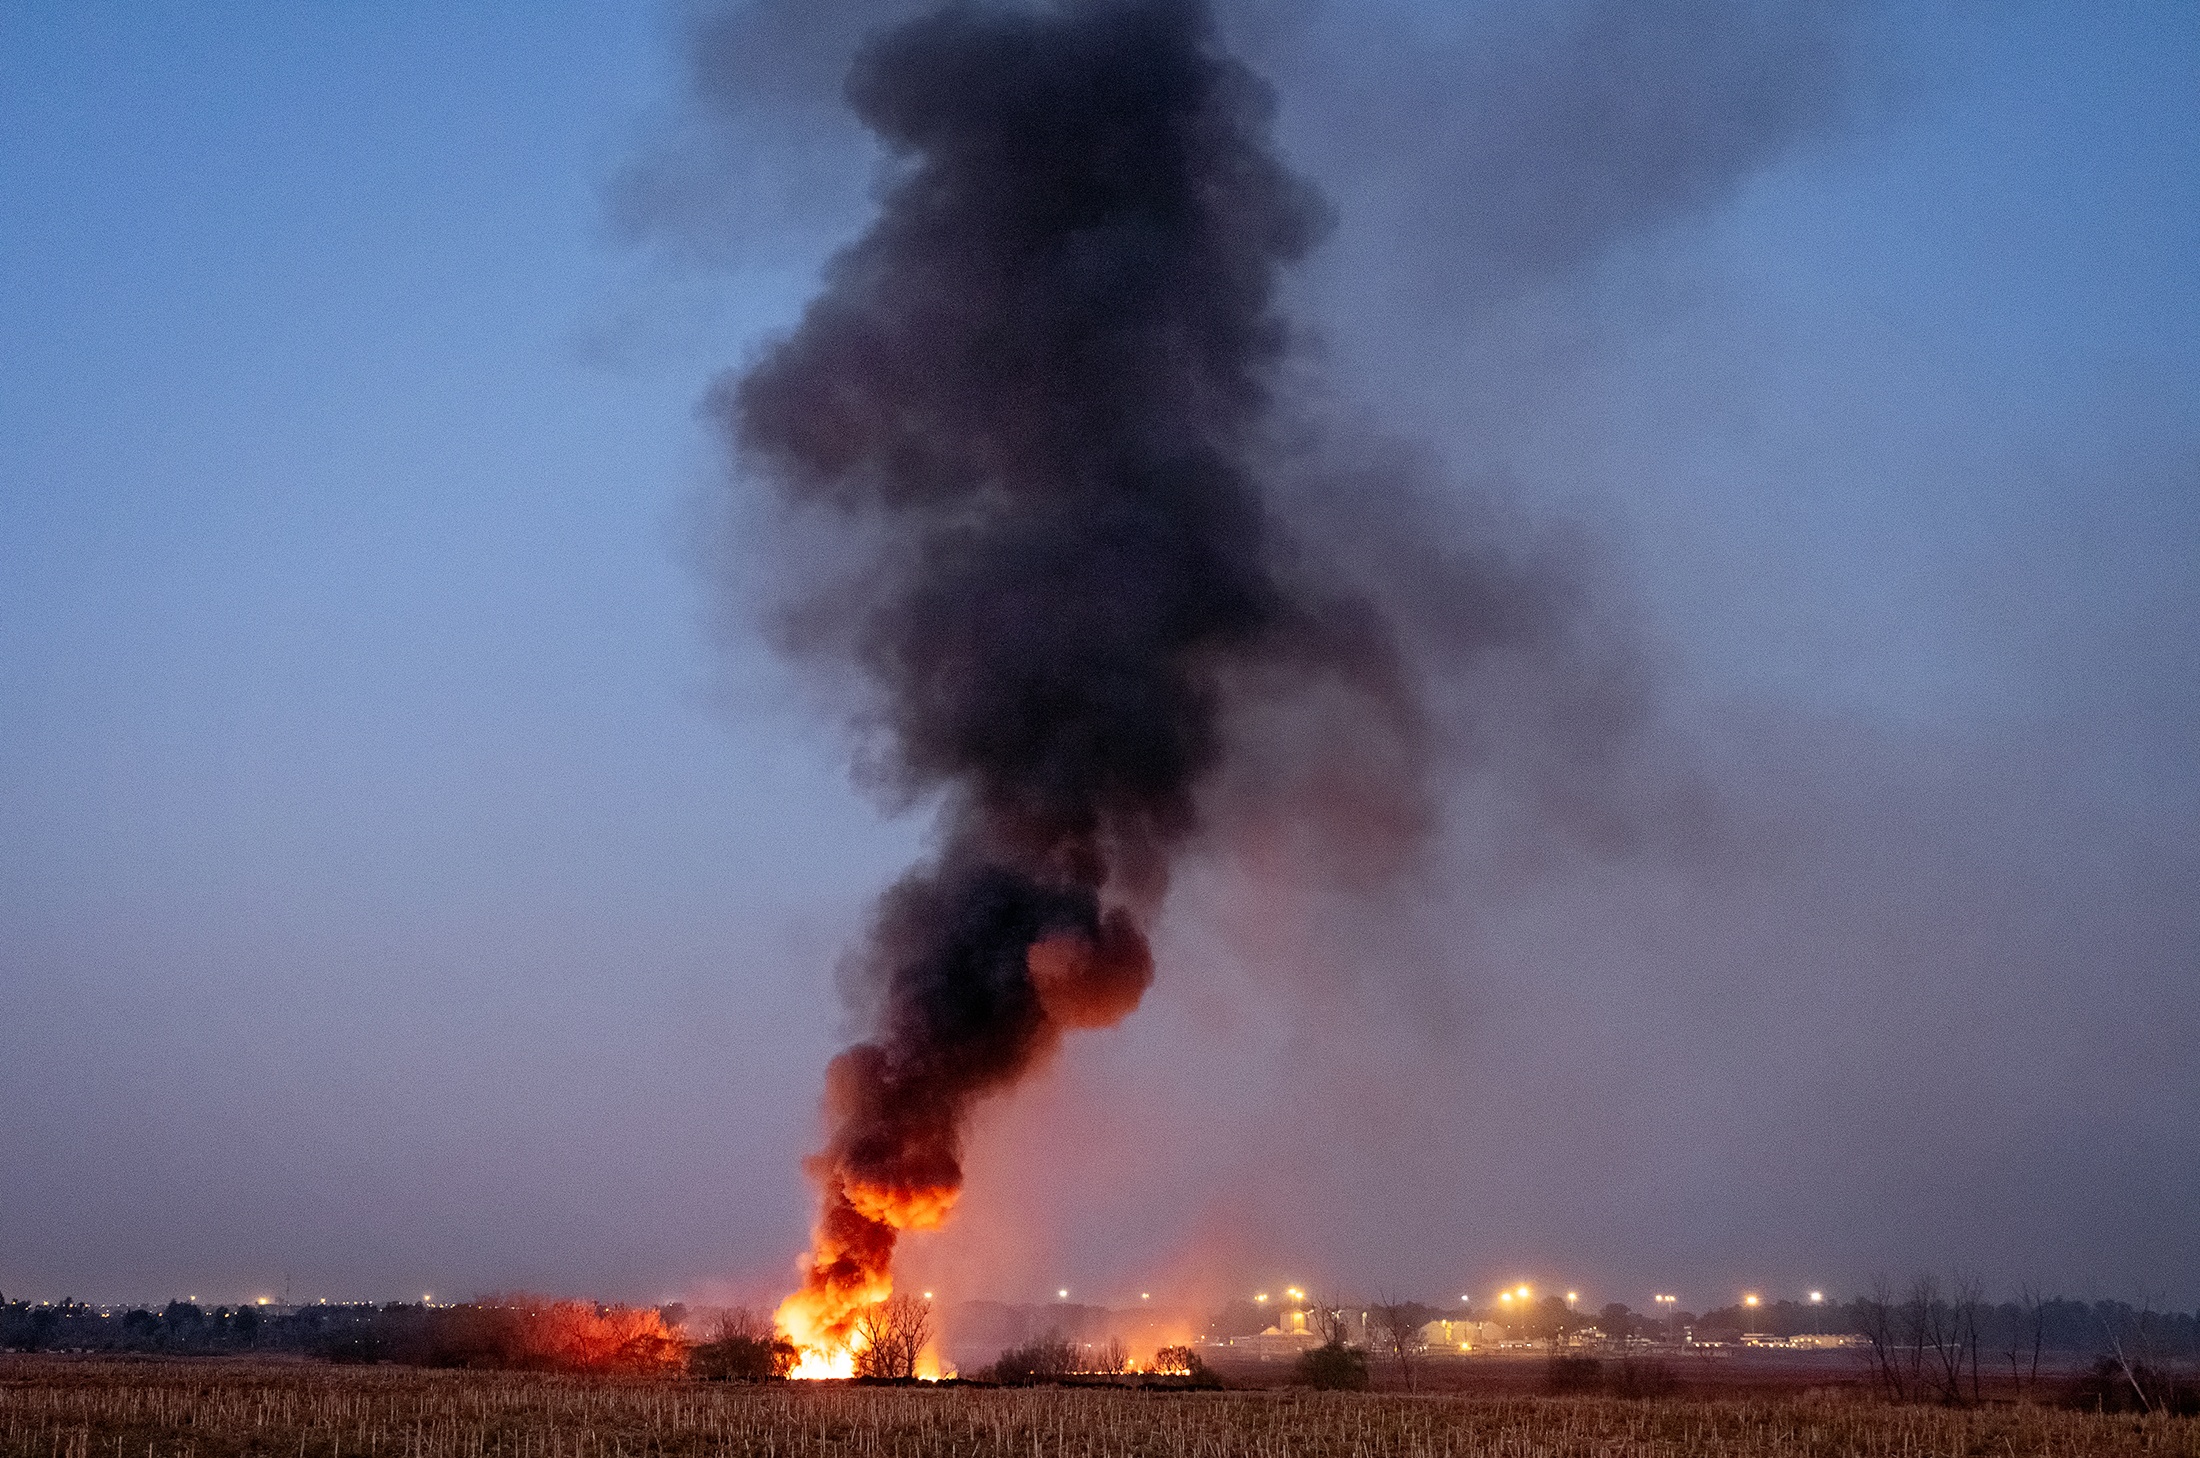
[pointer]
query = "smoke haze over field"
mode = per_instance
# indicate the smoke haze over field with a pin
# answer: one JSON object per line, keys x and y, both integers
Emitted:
{"x": 400, "y": 884}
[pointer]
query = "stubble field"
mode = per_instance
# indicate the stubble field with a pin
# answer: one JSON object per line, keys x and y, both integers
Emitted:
{"x": 60, "y": 1407}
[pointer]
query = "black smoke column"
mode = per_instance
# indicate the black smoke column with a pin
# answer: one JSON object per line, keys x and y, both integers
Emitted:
{"x": 1034, "y": 395}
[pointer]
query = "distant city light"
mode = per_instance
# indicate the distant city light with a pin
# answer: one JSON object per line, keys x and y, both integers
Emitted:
{"x": 1145, "y": 1295}
{"x": 1816, "y": 1297}
{"x": 1063, "y": 1293}
{"x": 1573, "y": 1295}
{"x": 928, "y": 1295}
{"x": 1263, "y": 1296}
{"x": 1750, "y": 1299}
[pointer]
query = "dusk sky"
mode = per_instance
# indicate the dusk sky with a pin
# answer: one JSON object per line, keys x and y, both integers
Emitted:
{"x": 418, "y": 872}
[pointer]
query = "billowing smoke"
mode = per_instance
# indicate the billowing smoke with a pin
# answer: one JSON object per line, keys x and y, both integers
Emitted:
{"x": 1043, "y": 401}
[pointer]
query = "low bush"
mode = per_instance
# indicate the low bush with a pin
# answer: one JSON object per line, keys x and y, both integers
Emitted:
{"x": 2108, "y": 1387}
{"x": 1333, "y": 1367}
{"x": 1573, "y": 1374}
{"x": 1644, "y": 1377}
{"x": 512, "y": 1333}
{"x": 1042, "y": 1359}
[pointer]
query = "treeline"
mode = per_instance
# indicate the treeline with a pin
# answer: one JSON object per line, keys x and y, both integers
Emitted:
{"x": 180, "y": 1327}
{"x": 2030, "y": 1324}
{"x": 519, "y": 1332}
{"x": 2046, "y": 1324}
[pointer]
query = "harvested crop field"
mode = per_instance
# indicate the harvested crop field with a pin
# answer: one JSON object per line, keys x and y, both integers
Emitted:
{"x": 58, "y": 1407}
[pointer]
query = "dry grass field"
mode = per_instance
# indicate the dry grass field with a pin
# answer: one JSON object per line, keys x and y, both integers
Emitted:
{"x": 59, "y": 1407}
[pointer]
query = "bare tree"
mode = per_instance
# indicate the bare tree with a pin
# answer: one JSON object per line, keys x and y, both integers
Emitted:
{"x": 1883, "y": 1335}
{"x": 1038, "y": 1360}
{"x": 1920, "y": 1317}
{"x": 2130, "y": 1346}
{"x": 1396, "y": 1333}
{"x": 892, "y": 1335}
{"x": 1966, "y": 1294}
{"x": 1922, "y": 1346}
{"x": 1177, "y": 1361}
{"x": 2035, "y": 1310}
{"x": 743, "y": 1347}
{"x": 2028, "y": 1328}
{"x": 1330, "y": 1319}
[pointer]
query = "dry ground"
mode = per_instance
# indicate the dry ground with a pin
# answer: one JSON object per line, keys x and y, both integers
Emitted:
{"x": 57, "y": 1407}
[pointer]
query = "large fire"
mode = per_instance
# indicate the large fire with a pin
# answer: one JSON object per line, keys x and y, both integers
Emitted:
{"x": 848, "y": 1268}
{"x": 1035, "y": 399}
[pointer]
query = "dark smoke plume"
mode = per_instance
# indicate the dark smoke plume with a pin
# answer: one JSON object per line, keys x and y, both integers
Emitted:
{"x": 1041, "y": 396}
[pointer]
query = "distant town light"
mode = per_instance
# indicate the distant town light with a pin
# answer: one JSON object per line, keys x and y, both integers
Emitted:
{"x": 1816, "y": 1297}
{"x": 1750, "y": 1299}
{"x": 1573, "y": 1295}
{"x": 1145, "y": 1295}
{"x": 1263, "y": 1296}
{"x": 1063, "y": 1293}
{"x": 928, "y": 1295}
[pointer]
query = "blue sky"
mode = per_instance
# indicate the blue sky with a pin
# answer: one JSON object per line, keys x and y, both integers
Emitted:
{"x": 411, "y": 875}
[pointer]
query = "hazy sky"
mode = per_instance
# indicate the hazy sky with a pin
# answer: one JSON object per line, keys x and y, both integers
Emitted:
{"x": 415, "y": 874}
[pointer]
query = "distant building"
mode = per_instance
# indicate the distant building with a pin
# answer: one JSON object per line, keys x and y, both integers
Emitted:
{"x": 1462, "y": 1336}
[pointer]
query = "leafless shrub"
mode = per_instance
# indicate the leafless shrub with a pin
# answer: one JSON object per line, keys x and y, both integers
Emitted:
{"x": 1925, "y": 1346}
{"x": 1039, "y": 1360}
{"x": 1330, "y": 1319}
{"x": 742, "y": 1347}
{"x": 2028, "y": 1331}
{"x": 1394, "y": 1329}
{"x": 891, "y": 1336}
{"x": 1177, "y": 1362}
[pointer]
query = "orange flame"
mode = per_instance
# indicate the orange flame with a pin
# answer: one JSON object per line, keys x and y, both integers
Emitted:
{"x": 849, "y": 1267}
{"x": 887, "y": 1171}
